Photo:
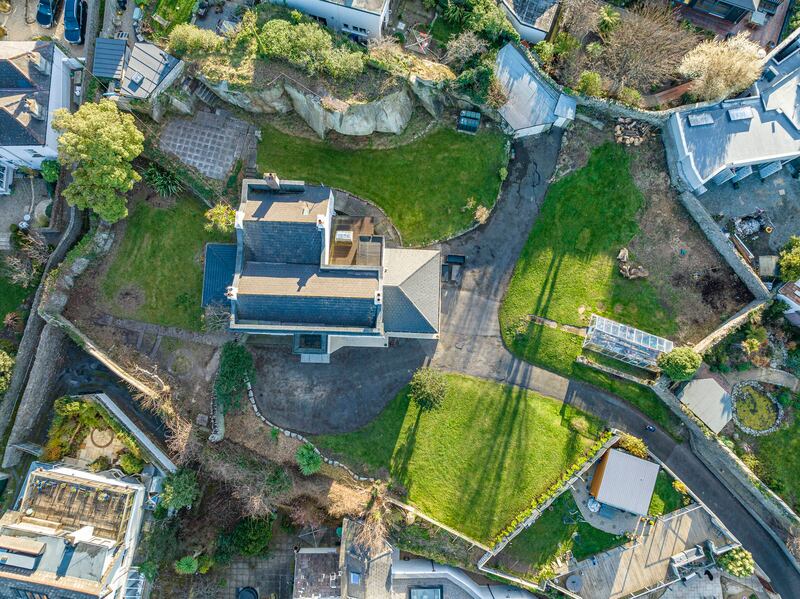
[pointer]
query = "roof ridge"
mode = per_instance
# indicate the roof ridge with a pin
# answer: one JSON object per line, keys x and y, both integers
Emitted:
{"x": 434, "y": 254}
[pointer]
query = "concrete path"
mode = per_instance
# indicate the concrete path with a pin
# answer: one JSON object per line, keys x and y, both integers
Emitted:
{"x": 773, "y": 376}
{"x": 471, "y": 344}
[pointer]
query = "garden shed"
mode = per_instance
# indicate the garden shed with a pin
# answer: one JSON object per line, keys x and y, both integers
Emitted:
{"x": 110, "y": 57}
{"x": 625, "y": 343}
{"x": 624, "y": 481}
{"x": 709, "y": 402}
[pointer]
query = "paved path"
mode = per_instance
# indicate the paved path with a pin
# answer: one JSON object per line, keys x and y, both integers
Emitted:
{"x": 470, "y": 343}
{"x": 765, "y": 375}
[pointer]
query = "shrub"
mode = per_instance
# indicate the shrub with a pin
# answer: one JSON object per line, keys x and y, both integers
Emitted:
{"x": 204, "y": 563}
{"x": 475, "y": 82}
{"x": 680, "y": 487}
{"x": 630, "y": 96}
{"x": 565, "y": 44}
{"x": 149, "y": 570}
{"x": 130, "y": 464}
{"x": 341, "y": 63}
{"x": 546, "y": 51}
{"x": 496, "y": 95}
{"x": 164, "y": 182}
{"x": 738, "y": 562}
{"x": 590, "y": 84}
{"x": 774, "y": 311}
{"x": 251, "y": 536}
{"x": 594, "y": 50}
{"x": 235, "y": 370}
{"x": 180, "y": 489}
{"x": 50, "y": 170}
{"x": 789, "y": 260}
{"x": 503, "y": 172}
{"x": 722, "y": 68}
{"x": 680, "y": 364}
{"x": 428, "y": 388}
{"x": 6, "y": 369}
{"x": 187, "y": 39}
{"x": 222, "y": 217}
{"x": 186, "y": 565}
{"x": 609, "y": 20}
{"x": 308, "y": 460}
{"x": 633, "y": 445}
{"x": 100, "y": 464}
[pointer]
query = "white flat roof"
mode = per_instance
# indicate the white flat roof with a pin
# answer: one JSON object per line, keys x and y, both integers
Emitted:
{"x": 627, "y": 482}
{"x": 709, "y": 402}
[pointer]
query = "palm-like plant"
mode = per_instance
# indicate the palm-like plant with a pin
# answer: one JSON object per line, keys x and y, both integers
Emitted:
{"x": 164, "y": 182}
{"x": 609, "y": 20}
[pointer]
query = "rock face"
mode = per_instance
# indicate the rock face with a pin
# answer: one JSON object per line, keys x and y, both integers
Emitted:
{"x": 389, "y": 114}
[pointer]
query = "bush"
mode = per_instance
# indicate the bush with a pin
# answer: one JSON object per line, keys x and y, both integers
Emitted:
{"x": 50, "y": 170}
{"x": 590, "y": 84}
{"x": 204, "y": 563}
{"x": 428, "y": 388}
{"x": 790, "y": 259}
{"x": 773, "y": 313}
{"x": 186, "y": 565}
{"x": 722, "y": 68}
{"x": 165, "y": 183}
{"x": 100, "y": 464}
{"x": 633, "y": 445}
{"x": 630, "y": 96}
{"x": 6, "y": 369}
{"x": 546, "y": 51}
{"x": 180, "y": 489}
{"x": 565, "y": 44}
{"x": 308, "y": 460}
{"x": 235, "y": 370}
{"x": 680, "y": 364}
{"x": 251, "y": 536}
{"x": 503, "y": 173}
{"x": 189, "y": 40}
{"x": 680, "y": 487}
{"x": 222, "y": 217}
{"x": 341, "y": 63}
{"x": 476, "y": 82}
{"x": 130, "y": 464}
{"x": 738, "y": 562}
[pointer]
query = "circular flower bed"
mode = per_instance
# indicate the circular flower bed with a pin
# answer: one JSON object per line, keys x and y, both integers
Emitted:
{"x": 755, "y": 411}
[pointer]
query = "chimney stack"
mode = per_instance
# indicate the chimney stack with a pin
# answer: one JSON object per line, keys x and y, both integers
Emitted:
{"x": 35, "y": 108}
{"x": 272, "y": 181}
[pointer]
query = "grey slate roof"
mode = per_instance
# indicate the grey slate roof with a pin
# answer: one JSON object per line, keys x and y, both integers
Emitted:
{"x": 152, "y": 63}
{"x": 772, "y": 133}
{"x": 218, "y": 269}
{"x": 532, "y": 101}
{"x": 411, "y": 291}
{"x": 20, "y": 82}
{"x": 374, "y": 570}
{"x": 709, "y": 402}
{"x": 109, "y": 58}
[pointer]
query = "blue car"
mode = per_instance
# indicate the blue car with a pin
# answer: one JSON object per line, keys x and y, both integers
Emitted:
{"x": 47, "y": 13}
{"x": 75, "y": 21}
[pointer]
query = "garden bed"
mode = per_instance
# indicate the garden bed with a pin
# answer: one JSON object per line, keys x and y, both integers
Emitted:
{"x": 754, "y": 409}
{"x": 477, "y": 461}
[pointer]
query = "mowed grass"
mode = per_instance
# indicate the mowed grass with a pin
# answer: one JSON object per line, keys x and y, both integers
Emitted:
{"x": 423, "y": 186}
{"x": 568, "y": 268}
{"x": 665, "y": 498}
{"x": 778, "y": 455}
{"x": 559, "y": 530}
{"x": 478, "y": 460}
{"x": 174, "y": 12}
{"x": 11, "y": 295}
{"x": 159, "y": 262}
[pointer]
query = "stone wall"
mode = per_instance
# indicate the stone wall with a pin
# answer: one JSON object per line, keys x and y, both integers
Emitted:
{"x": 38, "y": 394}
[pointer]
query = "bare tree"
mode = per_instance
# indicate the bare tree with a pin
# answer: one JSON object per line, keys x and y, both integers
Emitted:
{"x": 645, "y": 48}
{"x": 304, "y": 511}
{"x": 374, "y": 531}
{"x": 19, "y": 269}
{"x": 463, "y": 47}
{"x": 722, "y": 68}
{"x": 580, "y": 17}
{"x": 34, "y": 247}
{"x": 216, "y": 317}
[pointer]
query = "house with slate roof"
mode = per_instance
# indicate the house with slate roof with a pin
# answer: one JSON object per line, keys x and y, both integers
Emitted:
{"x": 71, "y": 535}
{"x": 327, "y": 281}
{"x": 35, "y": 81}
{"x": 358, "y": 572}
{"x": 755, "y": 134}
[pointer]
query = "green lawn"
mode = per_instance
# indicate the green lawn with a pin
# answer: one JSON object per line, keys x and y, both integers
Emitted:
{"x": 159, "y": 263}
{"x": 556, "y": 532}
{"x": 477, "y": 461}
{"x": 174, "y": 12}
{"x": 665, "y": 498}
{"x": 11, "y": 296}
{"x": 779, "y": 457}
{"x": 567, "y": 271}
{"x": 423, "y": 186}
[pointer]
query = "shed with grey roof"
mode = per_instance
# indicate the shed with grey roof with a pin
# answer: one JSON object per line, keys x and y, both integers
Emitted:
{"x": 709, "y": 402}
{"x": 110, "y": 56}
{"x": 624, "y": 481}
{"x": 148, "y": 67}
{"x": 534, "y": 105}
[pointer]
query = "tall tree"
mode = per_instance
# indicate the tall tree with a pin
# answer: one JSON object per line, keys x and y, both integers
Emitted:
{"x": 99, "y": 143}
{"x": 722, "y": 68}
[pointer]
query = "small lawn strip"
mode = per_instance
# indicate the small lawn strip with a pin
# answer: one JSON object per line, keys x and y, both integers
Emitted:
{"x": 556, "y": 350}
{"x": 665, "y": 498}
{"x": 174, "y": 12}
{"x": 424, "y": 186}
{"x": 11, "y": 295}
{"x": 477, "y": 461}
{"x": 161, "y": 257}
{"x": 559, "y": 529}
{"x": 778, "y": 461}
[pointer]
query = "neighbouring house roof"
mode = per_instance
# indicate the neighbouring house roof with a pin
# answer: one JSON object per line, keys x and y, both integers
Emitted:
{"x": 219, "y": 267}
{"x": 373, "y": 6}
{"x": 536, "y": 13}
{"x": 411, "y": 291}
{"x": 147, "y": 67}
{"x": 790, "y": 293}
{"x": 109, "y": 58}
{"x": 365, "y": 574}
{"x": 532, "y": 101}
{"x": 624, "y": 481}
{"x": 316, "y": 574}
{"x": 709, "y": 402}
{"x": 758, "y": 128}
{"x": 21, "y": 85}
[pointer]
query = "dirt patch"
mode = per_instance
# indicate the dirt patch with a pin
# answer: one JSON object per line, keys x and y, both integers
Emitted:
{"x": 130, "y": 298}
{"x": 693, "y": 282}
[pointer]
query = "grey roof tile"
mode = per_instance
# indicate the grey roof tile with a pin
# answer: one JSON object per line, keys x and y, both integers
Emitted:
{"x": 411, "y": 291}
{"x": 218, "y": 270}
{"x": 109, "y": 58}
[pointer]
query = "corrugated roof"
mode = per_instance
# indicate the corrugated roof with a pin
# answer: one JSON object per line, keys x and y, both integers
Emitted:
{"x": 709, "y": 402}
{"x": 218, "y": 270}
{"x": 109, "y": 58}
{"x": 411, "y": 291}
{"x": 152, "y": 64}
{"x": 627, "y": 482}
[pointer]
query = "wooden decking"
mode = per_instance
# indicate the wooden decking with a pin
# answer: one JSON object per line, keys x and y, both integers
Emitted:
{"x": 767, "y": 35}
{"x": 625, "y": 570}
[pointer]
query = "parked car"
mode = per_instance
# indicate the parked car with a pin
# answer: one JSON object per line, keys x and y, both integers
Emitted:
{"x": 75, "y": 21}
{"x": 47, "y": 13}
